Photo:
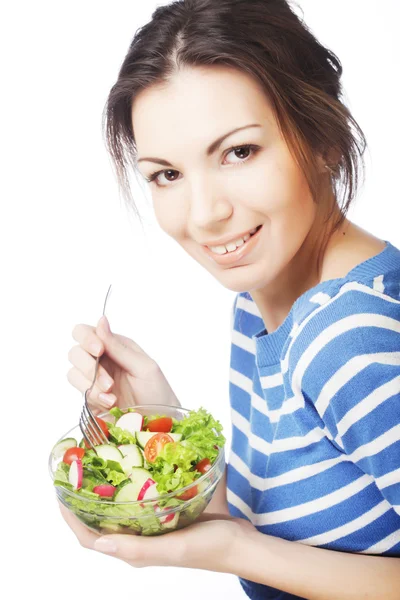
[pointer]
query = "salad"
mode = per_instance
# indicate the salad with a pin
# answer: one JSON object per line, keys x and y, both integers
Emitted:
{"x": 148, "y": 458}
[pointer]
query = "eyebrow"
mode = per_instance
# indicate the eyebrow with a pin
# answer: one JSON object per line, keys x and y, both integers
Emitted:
{"x": 210, "y": 150}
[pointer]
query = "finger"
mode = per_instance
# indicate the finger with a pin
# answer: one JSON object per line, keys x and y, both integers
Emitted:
{"x": 142, "y": 551}
{"x": 123, "y": 352}
{"x": 81, "y": 383}
{"x": 85, "y": 363}
{"x": 86, "y": 336}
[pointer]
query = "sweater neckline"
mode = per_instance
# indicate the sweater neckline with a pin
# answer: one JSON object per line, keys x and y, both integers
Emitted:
{"x": 268, "y": 346}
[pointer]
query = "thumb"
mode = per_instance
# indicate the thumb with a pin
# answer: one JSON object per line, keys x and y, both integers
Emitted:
{"x": 142, "y": 551}
{"x": 126, "y": 357}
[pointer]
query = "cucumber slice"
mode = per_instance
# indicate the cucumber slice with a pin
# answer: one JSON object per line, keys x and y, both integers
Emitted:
{"x": 130, "y": 491}
{"x": 142, "y": 437}
{"x": 133, "y": 457}
{"x": 109, "y": 452}
{"x": 61, "y": 447}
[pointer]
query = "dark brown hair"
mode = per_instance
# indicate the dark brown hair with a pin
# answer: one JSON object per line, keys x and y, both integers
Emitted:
{"x": 266, "y": 39}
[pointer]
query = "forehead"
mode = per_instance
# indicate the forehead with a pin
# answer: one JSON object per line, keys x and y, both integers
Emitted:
{"x": 197, "y": 104}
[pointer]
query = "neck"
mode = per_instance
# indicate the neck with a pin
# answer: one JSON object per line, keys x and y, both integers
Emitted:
{"x": 303, "y": 272}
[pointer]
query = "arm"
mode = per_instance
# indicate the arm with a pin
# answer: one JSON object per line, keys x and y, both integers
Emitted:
{"x": 218, "y": 503}
{"x": 313, "y": 573}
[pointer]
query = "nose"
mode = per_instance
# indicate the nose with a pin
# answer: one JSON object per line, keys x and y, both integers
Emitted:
{"x": 209, "y": 205}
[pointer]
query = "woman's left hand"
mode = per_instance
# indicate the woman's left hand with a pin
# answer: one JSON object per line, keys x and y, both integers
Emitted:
{"x": 210, "y": 543}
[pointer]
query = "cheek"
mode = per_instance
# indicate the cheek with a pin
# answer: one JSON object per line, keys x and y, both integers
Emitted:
{"x": 169, "y": 215}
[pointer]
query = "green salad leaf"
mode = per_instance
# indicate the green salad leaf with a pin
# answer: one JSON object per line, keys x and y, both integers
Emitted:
{"x": 120, "y": 436}
{"x": 201, "y": 432}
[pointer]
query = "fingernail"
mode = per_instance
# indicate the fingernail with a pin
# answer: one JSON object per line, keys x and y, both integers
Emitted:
{"x": 105, "y": 383}
{"x": 103, "y": 322}
{"x": 103, "y": 544}
{"x": 107, "y": 399}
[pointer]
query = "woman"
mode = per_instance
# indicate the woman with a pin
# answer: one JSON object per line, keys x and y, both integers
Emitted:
{"x": 232, "y": 111}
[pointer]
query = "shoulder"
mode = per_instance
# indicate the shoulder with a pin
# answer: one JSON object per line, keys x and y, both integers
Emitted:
{"x": 352, "y": 316}
{"x": 354, "y": 331}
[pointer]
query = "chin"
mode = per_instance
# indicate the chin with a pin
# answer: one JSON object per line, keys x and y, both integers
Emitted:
{"x": 242, "y": 279}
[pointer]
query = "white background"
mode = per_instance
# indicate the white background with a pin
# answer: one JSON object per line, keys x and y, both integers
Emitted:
{"x": 66, "y": 235}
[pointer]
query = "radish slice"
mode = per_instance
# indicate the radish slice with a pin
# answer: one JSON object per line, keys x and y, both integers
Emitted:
{"x": 76, "y": 474}
{"x": 148, "y": 490}
{"x": 105, "y": 490}
{"x": 131, "y": 422}
{"x": 167, "y": 518}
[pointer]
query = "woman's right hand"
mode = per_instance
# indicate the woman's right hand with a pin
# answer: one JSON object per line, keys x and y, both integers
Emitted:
{"x": 133, "y": 377}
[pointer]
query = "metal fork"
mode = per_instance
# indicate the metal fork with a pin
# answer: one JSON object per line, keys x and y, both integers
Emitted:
{"x": 91, "y": 430}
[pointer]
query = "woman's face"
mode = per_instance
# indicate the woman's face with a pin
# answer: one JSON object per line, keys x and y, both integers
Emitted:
{"x": 208, "y": 199}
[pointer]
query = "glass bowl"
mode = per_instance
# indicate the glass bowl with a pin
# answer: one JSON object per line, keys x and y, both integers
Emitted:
{"x": 156, "y": 516}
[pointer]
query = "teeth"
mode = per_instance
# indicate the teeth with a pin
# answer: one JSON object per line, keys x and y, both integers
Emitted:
{"x": 231, "y": 247}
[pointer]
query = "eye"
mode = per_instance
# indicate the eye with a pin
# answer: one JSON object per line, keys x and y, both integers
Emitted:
{"x": 154, "y": 176}
{"x": 248, "y": 149}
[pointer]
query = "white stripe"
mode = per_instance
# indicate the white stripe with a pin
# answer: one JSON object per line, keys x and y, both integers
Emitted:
{"x": 237, "y": 502}
{"x": 243, "y": 341}
{"x": 244, "y": 426}
{"x": 350, "y": 370}
{"x": 368, "y": 404}
{"x": 279, "y": 445}
{"x": 377, "y": 445}
{"x": 333, "y": 331}
{"x": 378, "y": 284}
{"x": 347, "y": 287}
{"x": 299, "y": 474}
{"x": 271, "y": 381}
{"x": 388, "y": 479}
{"x": 233, "y": 310}
{"x": 290, "y": 405}
{"x": 348, "y": 528}
{"x": 384, "y": 545}
{"x": 248, "y": 306}
{"x": 241, "y": 381}
{"x": 320, "y": 298}
{"x": 301, "y": 510}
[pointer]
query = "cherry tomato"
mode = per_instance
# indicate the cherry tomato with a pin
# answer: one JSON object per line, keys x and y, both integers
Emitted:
{"x": 155, "y": 444}
{"x": 73, "y": 454}
{"x": 104, "y": 428}
{"x": 163, "y": 424}
{"x": 189, "y": 494}
{"x": 204, "y": 465}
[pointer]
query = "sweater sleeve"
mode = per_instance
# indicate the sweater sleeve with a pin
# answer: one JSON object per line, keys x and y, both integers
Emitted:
{"x": 345, "y": 361}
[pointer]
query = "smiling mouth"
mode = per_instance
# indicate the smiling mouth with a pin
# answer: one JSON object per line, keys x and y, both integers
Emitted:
{"x": 233, "y": 246}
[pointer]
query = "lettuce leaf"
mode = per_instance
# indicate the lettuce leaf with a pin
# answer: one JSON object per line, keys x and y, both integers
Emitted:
{"x": 201, "y": 432}
{"x": 120, "y": 436}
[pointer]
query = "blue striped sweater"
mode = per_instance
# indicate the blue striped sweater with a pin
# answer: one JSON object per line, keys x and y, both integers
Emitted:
{"x": 315, "y": 405}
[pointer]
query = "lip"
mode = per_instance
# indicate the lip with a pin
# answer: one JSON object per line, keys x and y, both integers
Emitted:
{"x": 228, "y": 240}
{"x": 229, "y": 258}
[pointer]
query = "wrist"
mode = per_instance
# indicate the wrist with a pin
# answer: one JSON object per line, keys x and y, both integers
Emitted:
{"x": 243, "y": 539}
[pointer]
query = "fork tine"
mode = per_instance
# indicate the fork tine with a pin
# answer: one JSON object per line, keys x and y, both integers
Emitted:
{"x": 89, "y": 430}
{"x": 95, "y": 423}
{"x": 88, "y": 440}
